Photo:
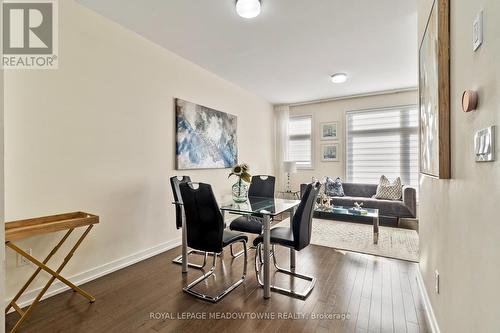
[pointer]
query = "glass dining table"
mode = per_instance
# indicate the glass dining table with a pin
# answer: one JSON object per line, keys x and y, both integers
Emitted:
{"x": 268, "y": 208}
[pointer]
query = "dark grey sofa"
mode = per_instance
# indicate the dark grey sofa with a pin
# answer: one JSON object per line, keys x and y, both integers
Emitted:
{"x": 390, "y": 211}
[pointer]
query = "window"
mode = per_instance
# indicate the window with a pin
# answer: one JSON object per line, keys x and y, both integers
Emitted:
{"x": 383, "y": 142}
{"x": 300, "y": 141}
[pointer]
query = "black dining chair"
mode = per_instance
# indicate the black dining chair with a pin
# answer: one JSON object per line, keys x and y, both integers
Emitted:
{"x": 206, "y": 232}
{"x": 261, "y": 186}
{"x": 175, "y": 182}
{"x": 296, "y": 238}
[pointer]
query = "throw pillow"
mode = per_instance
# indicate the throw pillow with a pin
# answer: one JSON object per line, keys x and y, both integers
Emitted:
{"x": 388, "y": 191}
{"x": 334, "y": 188}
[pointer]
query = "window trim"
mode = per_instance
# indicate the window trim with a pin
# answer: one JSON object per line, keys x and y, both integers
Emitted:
{"x": 305, "y": 115}
{"x": 385, "y": 108}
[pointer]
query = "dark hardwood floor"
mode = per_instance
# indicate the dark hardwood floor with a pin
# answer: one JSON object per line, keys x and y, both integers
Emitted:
{"x": 353, "y": 293}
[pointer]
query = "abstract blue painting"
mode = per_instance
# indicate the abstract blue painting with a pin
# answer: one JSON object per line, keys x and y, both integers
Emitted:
{"x": 205, "y": 138}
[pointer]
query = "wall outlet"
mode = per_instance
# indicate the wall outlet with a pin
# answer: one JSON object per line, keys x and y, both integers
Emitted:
{"x": 436, "y": 281}
{"x": 477, "y": 31}
{"x": 22, "y": 261}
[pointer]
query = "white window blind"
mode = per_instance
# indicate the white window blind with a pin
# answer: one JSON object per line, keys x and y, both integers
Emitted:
{"x": 383, "y": 142}
{"x": 299, "y": 141}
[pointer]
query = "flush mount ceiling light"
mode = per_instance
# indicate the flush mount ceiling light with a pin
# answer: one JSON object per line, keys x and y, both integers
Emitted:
{"x": 339, "y": 78}
{"x": 248, "y": 8}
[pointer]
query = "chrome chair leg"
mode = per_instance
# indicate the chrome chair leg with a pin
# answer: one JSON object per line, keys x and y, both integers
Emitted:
{"x": 259, "y": 251}
{"x": 235, "y": 255}
{"x": 258, "y": 258}
{"x": 214, "y": 299}
{"x": 259, "y": 255}
{"x": 289, "y": 292}
{"x": 178, "y": 260}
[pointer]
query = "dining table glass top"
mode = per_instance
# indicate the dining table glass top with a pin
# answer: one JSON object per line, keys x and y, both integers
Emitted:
{"x": 259, "y": 205}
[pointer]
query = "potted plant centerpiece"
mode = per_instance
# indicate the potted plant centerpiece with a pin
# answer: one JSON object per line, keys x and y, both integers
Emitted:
{"x": 240, "y": 188}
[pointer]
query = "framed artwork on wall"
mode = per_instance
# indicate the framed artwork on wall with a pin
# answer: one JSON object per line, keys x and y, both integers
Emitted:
{"x": 329, "y": 131}
{"x": 330, "y": 152}
{"x": 434, "y": 88}
{"x": 205, "y": 138}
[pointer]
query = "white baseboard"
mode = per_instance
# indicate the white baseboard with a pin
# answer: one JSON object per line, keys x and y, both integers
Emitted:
{"x": 94, "y": 273}
{"x": 431, "y": 318}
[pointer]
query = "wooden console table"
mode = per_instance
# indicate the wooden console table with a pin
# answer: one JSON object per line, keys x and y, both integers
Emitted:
{"x": 27, "y": 228}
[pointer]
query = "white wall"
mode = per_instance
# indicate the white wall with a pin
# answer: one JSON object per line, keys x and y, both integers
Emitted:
{"x": 98, "y": 135}
{"x": 335, "y": 111}
{"x": 459, "y": 218}
{"x": 2, "y": 229}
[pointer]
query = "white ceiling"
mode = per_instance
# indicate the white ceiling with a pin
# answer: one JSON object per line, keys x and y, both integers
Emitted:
{"x": 286, "y": 54}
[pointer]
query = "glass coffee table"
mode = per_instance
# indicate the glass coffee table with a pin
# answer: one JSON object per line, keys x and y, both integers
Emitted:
{"x": 351, "y": 213}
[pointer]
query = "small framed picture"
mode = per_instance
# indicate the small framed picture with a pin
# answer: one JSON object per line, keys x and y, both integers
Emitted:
{"x": 329, "y": 131}
{"x": 330, "y": 152}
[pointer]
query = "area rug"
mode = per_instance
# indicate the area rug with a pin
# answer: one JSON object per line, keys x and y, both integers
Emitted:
{"x": 392, "y": 243}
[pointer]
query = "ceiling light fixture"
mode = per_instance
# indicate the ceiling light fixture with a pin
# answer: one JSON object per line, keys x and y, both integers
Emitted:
{"x": 339, "y": 77}
{"x": 248, "y": 8}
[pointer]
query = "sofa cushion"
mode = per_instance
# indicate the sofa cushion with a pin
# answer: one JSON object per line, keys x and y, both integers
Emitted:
{"x": 333, "y": 188}
{"x": 389, "y": 191}
{"x": 385, "y": 207}
{"x": 359, "y": 190}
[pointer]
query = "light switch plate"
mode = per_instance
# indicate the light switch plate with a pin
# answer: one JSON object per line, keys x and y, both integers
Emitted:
{"x": 484, "y": 145}
{"x": 477, "y": 31}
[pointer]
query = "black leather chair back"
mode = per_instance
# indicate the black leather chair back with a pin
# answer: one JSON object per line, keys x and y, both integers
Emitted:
{"x": 204, "y": 222}
{"x": 262, "y": 186}
{"x": 302, "y": 220}
{"x": 174, "y": 182}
